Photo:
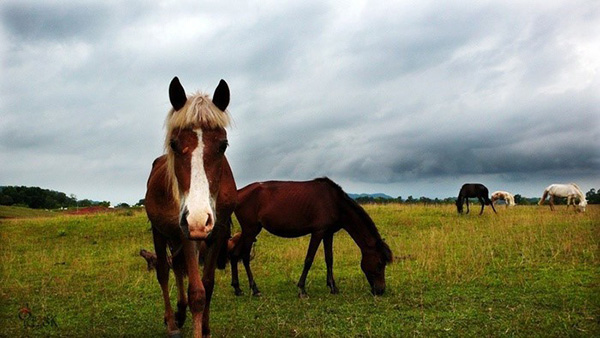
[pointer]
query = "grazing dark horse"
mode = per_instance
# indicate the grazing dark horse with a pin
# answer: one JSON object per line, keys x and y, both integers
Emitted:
{"x": 319, "y": 208}
{"x": 190, "y": 197}
{"x": 470, "y": 190}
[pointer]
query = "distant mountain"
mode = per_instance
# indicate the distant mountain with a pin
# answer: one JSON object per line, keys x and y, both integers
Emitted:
{"x": 377, "y": 195}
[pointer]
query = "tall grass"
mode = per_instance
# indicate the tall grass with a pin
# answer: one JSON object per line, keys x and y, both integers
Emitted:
{"x": 524, "y": 272}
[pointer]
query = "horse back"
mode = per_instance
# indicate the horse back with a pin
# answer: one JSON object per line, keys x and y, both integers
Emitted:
{"x": 289, "y": 209}
{"x": 470, "y": 190}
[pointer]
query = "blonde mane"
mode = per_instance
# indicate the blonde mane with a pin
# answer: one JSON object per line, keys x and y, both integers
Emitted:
{"x": 198, "y": 112}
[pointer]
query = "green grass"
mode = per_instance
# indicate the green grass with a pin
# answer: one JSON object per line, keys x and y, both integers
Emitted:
{"x": 21, "y": 212}
{"x": 524, "y": 272}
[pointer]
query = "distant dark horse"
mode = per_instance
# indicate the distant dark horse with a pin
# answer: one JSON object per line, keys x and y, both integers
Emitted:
{"x": 319, "y": 208}
{"x": 470, "y": 190}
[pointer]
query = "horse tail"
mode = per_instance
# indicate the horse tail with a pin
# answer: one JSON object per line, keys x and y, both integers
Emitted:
{"x": 543, "y": 197}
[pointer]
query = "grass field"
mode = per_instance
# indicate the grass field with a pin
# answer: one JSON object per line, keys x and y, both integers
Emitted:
{"x": 524, "y": 272}
{"x": 20, "y": 212}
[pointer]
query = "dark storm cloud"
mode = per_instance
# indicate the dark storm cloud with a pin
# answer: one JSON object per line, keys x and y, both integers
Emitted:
{"x": 404, "y": 98}
{"x": 27, "y": 21}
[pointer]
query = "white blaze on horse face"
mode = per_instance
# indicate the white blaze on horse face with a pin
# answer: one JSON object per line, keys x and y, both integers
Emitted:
{"x": 198, "y": 203}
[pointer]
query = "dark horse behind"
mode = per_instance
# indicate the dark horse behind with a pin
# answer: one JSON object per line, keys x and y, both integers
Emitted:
{"x": 472, "y": 190}
{"x": 320, "y": 208}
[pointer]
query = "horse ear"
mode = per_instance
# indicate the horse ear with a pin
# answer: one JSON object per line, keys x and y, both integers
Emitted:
{"x": 221, "y": 95}
{"x": 177, "y": 94}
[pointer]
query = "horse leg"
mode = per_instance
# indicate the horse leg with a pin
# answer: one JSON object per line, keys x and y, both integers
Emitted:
{"x": 328, "y": 247}
{"x": 482, "y": 204}
{"x": 162, "y": 275}
{"x": 208, "y": 279}
{"x": 196, "y": 292}
{"x": 235, "y": 281}
{"x": 315, "y": 240}
{"x": 234, "y": 258}
{"x": 551, "y": 202}
{"x": 467, "y": 202}
{"x": 251, "y": 282}
{"x": 492, "y": 204}
{"x": 569, "y": 201}
{"x": 179, "y": 270}
{"x": 249, "y": 233}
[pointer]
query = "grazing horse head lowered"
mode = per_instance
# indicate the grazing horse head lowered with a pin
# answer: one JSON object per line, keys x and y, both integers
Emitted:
{"x": 469, "y": 190}
{"x": 571, "y": 191}
{"x": 509, "y": 199}
{"x": 190, "y": 196}
{"x": 319, "y": 208}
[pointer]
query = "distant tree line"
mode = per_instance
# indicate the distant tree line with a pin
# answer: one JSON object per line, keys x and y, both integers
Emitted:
{"x": 409, "y": 200}
{"x": 38, "y": 198}
{"x": 592, "y": 196}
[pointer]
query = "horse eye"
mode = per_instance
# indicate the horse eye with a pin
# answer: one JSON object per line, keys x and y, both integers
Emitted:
{"x": 223, "y": 146}
{"x": 174, "y": 146}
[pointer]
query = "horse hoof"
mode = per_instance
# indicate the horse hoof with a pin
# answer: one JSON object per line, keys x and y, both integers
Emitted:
{"x": 175, "y": 334}
{"x": 257, "y": 294}
{"x": 303, "y": 295}
{"x": 179, "y": 323}
{"x": 180, "y": 319}
{"x": 238, "y": 292}
{"x": 335, "y": 291}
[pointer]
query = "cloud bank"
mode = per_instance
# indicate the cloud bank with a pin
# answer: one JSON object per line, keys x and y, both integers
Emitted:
{"x": 405, "y": 98}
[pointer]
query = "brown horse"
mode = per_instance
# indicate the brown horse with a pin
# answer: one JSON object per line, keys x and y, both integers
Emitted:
{"x": 190, "y": 196}
{"x": 469, "y": 190}
{"x": 319, "y": 208}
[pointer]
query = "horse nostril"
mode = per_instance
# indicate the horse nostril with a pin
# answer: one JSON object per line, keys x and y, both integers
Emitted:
{"x": 209, "y": 221}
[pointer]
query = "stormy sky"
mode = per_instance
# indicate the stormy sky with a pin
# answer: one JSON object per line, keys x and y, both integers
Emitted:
{"x": 400, "y": 97}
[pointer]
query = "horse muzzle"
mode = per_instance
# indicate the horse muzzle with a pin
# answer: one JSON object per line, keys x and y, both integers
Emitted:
{"x": 378, "y": 290}
{"x": 377, "y": 286}
{"x": 196, "y": 227}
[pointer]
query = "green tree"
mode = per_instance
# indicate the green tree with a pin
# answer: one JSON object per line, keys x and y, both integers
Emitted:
{"x": 593, "y": 196}
{"x": 519, "y": 199}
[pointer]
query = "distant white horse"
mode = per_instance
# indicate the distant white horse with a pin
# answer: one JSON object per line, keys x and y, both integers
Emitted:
{"x": 571, "y": 191}
{"x": 508, "y": 198}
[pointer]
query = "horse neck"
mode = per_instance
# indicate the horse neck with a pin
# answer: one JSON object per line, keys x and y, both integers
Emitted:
{"x": 359, "y": 229}
{"x": 579, "y": 193}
